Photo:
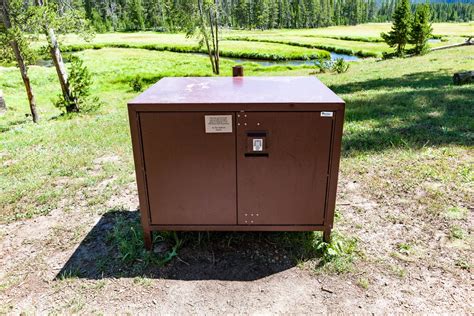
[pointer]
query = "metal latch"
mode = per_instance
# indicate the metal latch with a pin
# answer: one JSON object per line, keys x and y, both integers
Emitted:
{"x": 257, "y": 144}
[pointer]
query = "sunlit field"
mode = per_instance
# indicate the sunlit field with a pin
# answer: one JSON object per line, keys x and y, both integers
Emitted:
{"x": 406, "y": 183}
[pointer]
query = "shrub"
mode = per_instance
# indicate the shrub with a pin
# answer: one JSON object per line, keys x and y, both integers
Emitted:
{"x": 80, "y": 81}
{"x": 322, "y": 63}
{"x": 136, "y": 83}
{"x": 340, "y": 65}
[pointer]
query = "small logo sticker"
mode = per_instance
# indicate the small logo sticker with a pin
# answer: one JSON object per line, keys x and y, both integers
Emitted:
{"x": 218, "y": 123}
{"x": 327, "y": 114}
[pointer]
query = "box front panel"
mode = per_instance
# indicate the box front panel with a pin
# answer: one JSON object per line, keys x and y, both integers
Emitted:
{"x": 282, "y": 167}
{"x": 190, "y": 167}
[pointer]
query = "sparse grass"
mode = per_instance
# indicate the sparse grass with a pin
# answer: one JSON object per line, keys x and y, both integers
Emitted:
{"x": 143, "y": 281}
{"x": 463, "y": 264}
{"x": 76, "y": 304}
{"x": 404, "y": 248}
{"x": 70, "y": 274}
{"x": 99, "y": 285}
{"x": 408, "y": 138}
{"x": 456, "y": 212}
{"x": 457, "y": 232}
{"x": 398, "y": 271}
{"x": 338, "y": 255}
{"x": 363, "y": 283}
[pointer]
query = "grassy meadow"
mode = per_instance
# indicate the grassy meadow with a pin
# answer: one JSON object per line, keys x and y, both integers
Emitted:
{"x": 362, "y": 40}
{"x": 407, "y": 145}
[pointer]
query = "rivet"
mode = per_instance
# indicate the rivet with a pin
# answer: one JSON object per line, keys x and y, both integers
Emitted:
{"x": 238, "y": 124}
{"x": 258, "y": 124}
{"x": 238, "y": 115}
{"x": 245, "y": 214}
{"x": 245, "y": 124}
{"x": 251, "y": 222}
{"x": 245, "y": 222}
{"x": 257, "y": 214}
{"x": 251, "y": 214}
{"x": 245, "y": 115}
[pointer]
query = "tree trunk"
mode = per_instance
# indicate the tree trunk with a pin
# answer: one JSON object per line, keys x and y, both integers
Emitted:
{"x": 216, "y": 52}
{"x": 204, "y": 34}
{"x": 61, "y": 71}
{"x": 213, "y": 39}
{"x": 21, "y": 63}
{"x": 58, "y": 62}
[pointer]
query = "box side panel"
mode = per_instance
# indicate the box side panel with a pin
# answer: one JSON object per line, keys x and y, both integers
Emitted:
{"x": 139, "y": 167}
{"x": 282, "y": 167}
{"x": 334, "y": 168}
{"x": 191, "y": 174}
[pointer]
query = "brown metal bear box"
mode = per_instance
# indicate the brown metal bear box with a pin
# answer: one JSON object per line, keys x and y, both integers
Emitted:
{"x": 237, "y": 154}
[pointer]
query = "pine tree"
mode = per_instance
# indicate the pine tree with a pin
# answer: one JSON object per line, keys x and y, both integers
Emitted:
{"x": 136, "y": 20}
{"x": 399, "y": 35}
{"x": 421, "y": 29}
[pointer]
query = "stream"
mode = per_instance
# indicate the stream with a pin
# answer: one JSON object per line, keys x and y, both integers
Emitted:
{"x": 266, "y": 63}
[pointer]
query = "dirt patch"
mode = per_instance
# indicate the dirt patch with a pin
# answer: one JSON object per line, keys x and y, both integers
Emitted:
{"x": 64, "y": 262}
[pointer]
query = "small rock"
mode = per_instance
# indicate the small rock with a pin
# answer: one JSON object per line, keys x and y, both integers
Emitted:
{"x": 3, "y": 106}
{"x": 325, "y": 289}
{"x": 161, "y": 247}
{"x": 154, "y": 302}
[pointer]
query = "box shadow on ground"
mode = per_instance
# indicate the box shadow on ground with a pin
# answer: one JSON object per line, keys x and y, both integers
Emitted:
{"x": 232, "y": 256}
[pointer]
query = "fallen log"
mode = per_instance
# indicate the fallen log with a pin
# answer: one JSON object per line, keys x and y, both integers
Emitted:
{"x": 469, "y": 41}
{"x": 463, "y": 77}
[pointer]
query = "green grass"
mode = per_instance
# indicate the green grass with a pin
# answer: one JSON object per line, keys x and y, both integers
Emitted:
{"x": 402, "y": 107}
{"x": 127, "y": 236}
{"x": 179, "y": 43}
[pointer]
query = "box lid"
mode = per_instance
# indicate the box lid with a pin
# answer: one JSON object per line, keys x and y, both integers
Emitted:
{"x": 235, "y": 90}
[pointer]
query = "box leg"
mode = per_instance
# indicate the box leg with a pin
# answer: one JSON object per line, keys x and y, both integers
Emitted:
{"x": 327, "y": 235}
{"x": 147, "y": 236}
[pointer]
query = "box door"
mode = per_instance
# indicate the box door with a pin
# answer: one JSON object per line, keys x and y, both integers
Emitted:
{"x": 190, "y": 172}
{"x": 282, "y": 167}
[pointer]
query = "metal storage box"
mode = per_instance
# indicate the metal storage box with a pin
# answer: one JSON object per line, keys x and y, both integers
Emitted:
{"x": 237, "y": 153}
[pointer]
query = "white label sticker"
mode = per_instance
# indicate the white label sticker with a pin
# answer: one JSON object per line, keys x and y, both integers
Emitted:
{"x": 327, "y": 114}
{"x": 218, "y": 123}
